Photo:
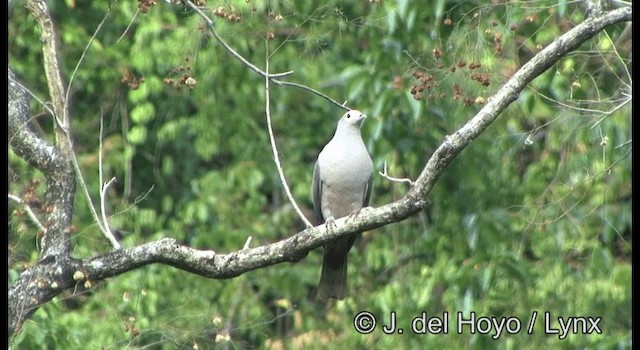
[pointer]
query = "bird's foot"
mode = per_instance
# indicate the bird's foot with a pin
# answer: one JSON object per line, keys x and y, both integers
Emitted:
{"x": 330, "y": 223}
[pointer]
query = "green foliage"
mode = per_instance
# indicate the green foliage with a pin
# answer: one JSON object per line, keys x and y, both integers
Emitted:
{"x": 534, "y": 216}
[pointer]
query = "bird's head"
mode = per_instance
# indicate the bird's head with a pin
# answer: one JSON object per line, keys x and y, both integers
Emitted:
{"x": 352, "y": 118}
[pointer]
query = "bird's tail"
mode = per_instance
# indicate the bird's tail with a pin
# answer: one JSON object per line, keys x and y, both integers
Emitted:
{"x": 333, "y": 278}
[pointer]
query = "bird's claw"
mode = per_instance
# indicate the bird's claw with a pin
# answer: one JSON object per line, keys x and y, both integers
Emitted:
{"x": 330, "y": 223}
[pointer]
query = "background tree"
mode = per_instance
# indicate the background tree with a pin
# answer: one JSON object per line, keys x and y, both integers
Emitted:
{"x": 534, "y": 215}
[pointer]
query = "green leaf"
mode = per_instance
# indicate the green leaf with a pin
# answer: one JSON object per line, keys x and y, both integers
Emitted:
{"x": 143, "y": 113}
{"x": 137, "y": 135}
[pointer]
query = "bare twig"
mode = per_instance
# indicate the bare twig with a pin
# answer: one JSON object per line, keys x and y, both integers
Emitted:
{"x": 84, "y": 52}
{"x": 51, "y": 64}
{"x": 623, "y": 144}
{"x": 247, "y": 243}
{"x": 274, "y": 147}
{"x": 272, "y": 77}
{"x": 105, "y": 220}
{"x": 87, "y": 196}
{"x": 605, "y": 114}
{"x": 45, "y": 105}
{"x": 104, "y": 226}
{"x": 30, "y": 212}
{"x": 384, "y": 174}
{"x": 229, "y": 49}
{"x": 103, "y": 196}
{"x": 313, "y": 91}
{"x": 100, "y": 173}
{"x": 60, "y": 179}
{"x": 128, "y": 26}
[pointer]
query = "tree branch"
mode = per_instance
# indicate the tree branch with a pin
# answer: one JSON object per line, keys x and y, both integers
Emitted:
{"x": 55, "y": 162}
{"x": 542, "y": 61}
{"x": 64, "y": 144}
{"x": 60, "y": 178}
{"x": 30, "y": 212}
{"x": 24, "y": 142}
{"x": 212, "y": 265}
{"x": 272, "y": 77}
{"x": 384, "y": 174}
{"x": 313, "y": 91}
{"x": 106, "y": 230}
{"x": 274, "y": 147}
{"x": 30, "y": 147}
{"x": 229, "y": 49}
{"x": 55, "y": 83}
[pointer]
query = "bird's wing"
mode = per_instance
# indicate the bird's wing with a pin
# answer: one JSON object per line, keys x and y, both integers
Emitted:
{"x": 367, "y": 192}
{"x": 317, "y": 195}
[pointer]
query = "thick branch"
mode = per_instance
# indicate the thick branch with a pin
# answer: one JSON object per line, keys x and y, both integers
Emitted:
{"x": 24, "y": 142}
{"x": 37, "y": 285}
{"x": 212, "y": 265}
{"x": 60, "y": 177}
{"x": 40, "y": 11}
{"x": 57, "y": 167}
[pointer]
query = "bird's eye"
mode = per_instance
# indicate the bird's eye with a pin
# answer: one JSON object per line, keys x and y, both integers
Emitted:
{"x": 348, "y": 115}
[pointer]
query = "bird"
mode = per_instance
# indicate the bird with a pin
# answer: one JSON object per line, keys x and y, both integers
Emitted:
{"x": 342, "y": 180}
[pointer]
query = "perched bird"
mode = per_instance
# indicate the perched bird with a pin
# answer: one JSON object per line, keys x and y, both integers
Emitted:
{"x": 341, "y": 187}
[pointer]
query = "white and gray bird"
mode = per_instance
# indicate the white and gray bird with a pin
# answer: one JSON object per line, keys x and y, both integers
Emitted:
{"x": 341, "y": 187}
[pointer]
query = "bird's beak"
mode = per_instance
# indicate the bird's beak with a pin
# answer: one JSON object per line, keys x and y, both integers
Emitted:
{"x": 361, "y": 118}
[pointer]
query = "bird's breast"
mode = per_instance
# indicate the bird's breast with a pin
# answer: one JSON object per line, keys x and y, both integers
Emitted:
{"x": 344, "y": 173}
{"x": 344, "y": 167}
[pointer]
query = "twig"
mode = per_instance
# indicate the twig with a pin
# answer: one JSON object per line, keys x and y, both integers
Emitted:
{"x": 45, "y": 105}
{"x": 105, "y": 221}
{"x": 84, "y": 52}
{"x": 274, "y": 148}
{"x": 266, "y": 75}
{"x": 100, "y": 176}
{"x": 30, "y": 212}
{"x": 247, "y": 243}
{"x": 103, "y": 197}
{"x": 624, "y": 144}
{"x": 304, "y": 87}
{"x": 229, "y": 49}
{"x": 104, "y": 225}
{"x": 51, "y": 64}
{"x": 128, "y": 26}
{"x": 384, "y": 174}
{"x": 605, "y": 114}
{"x": 85, "y": 190}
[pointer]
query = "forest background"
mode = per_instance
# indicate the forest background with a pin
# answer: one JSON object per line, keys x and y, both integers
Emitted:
{"x": 533, "y": 216}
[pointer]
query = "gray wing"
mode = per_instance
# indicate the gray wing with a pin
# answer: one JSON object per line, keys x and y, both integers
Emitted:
{"x": 367, "y": 192}
{"x": 317, "y": 195}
